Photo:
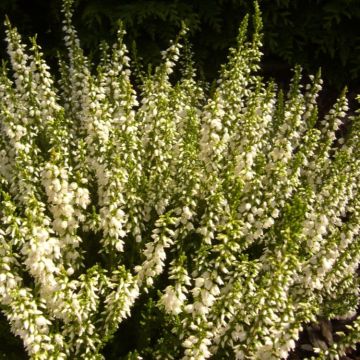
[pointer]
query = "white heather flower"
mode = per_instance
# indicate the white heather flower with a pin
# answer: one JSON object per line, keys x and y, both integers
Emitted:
{"x": 41, "y": 321}
{"x": 176, "y": 186}
{"x": 172, "y": 301}
{"x": 216, "y": 124}
{"x": 268, "y": 222}
{"x": 239, "y": 334}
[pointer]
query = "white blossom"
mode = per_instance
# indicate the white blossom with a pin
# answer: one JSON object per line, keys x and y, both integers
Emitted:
{"x": 218, "y": 221}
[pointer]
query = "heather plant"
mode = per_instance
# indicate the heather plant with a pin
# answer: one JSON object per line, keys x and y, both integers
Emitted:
{"x": 205, "y": 223}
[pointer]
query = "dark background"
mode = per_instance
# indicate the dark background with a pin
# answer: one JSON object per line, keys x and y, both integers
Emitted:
{"x": 312, "y": 33}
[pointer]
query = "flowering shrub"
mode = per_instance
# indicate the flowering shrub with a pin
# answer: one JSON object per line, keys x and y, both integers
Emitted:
{"x": 224, "y": 221}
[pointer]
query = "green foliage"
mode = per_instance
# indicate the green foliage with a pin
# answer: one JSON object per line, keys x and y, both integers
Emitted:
{"x": 310, "y": 32}
{"x": 316, "y": 32}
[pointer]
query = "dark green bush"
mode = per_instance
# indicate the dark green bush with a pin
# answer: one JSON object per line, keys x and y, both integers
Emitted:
{"x": 309, "y": 32}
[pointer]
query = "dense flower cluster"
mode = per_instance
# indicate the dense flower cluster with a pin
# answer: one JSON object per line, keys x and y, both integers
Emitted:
{"x": 235, "y": 211}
